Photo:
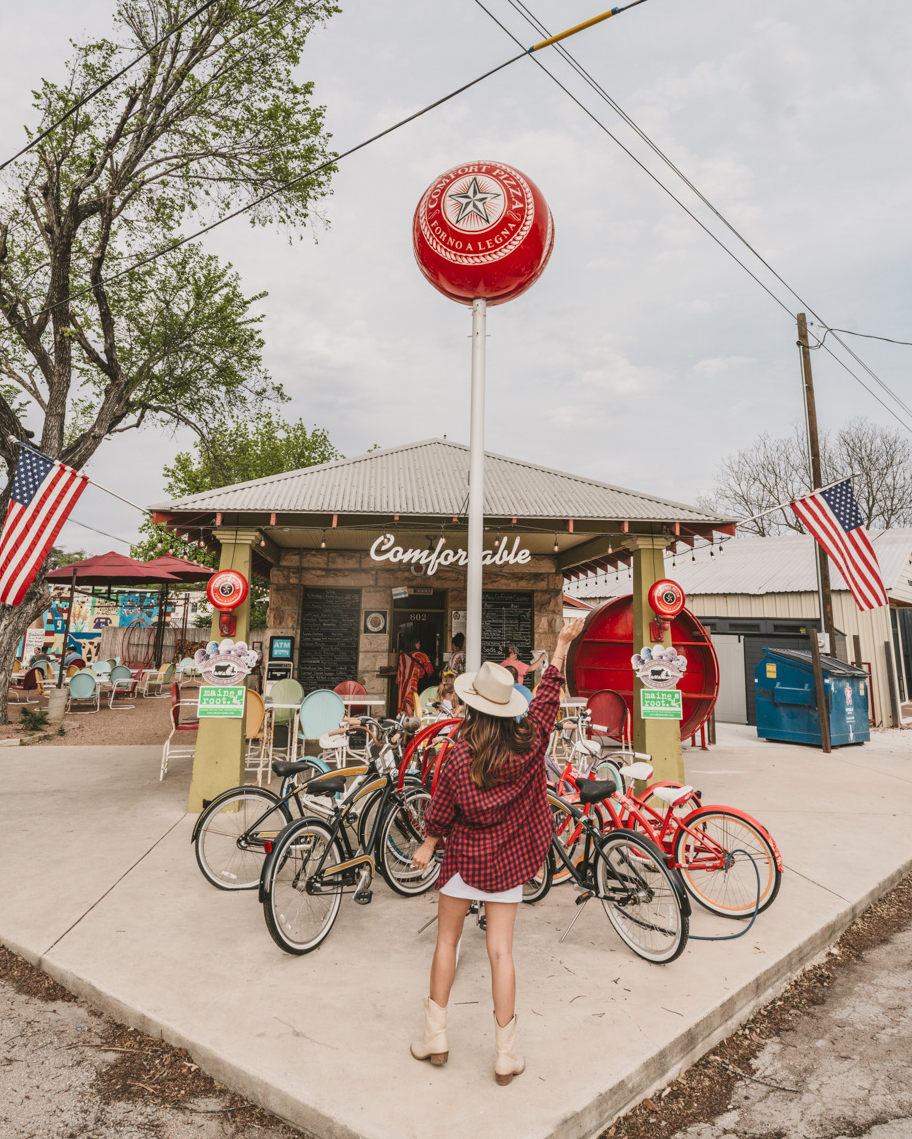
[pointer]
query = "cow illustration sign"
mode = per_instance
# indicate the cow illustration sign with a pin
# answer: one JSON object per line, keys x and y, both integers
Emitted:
{"x": 659, "y": 667}
{"x": 226, "y": 662}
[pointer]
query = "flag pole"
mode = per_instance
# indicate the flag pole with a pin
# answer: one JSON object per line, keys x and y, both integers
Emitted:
{"x": 807, "y": 494}
{"x": 107, "y": 490}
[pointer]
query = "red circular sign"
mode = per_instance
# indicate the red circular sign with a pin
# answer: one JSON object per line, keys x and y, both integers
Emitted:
{"x": 666, "y": 598}
{"x": 227, "y": 589}
{"x": 482, "y": 229}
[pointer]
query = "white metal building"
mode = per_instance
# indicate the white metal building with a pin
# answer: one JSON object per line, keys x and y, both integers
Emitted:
{"x": 763, "y": 592}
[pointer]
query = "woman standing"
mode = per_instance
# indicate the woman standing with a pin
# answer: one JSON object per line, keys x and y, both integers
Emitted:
{"x": 491, "y": 806}
{"x": 413, "y": 666}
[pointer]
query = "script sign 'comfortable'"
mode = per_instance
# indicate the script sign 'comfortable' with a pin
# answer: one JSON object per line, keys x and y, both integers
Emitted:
{"x": 386, "y": 550}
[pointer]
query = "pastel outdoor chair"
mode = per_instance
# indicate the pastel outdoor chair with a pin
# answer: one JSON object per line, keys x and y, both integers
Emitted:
{"x": 352, "y": 688}
{"x": 155, "y": 680}
{"x": 26, "y": 683}
{"x": 321, "y": 713}
{"x": 171, "y": 750}
{"x": 255, "y": 734}
{"x": 610, "y": 717}
{"x": 83, "y": 689}
{"x": 287, "y": 691}
{"x": 123, "y": 683}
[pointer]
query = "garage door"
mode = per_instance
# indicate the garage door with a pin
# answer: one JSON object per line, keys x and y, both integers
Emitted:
{"x": 731, "y": 707}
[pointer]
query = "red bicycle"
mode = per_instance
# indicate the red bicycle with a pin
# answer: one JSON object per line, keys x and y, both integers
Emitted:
{"x": 719, "y": 850}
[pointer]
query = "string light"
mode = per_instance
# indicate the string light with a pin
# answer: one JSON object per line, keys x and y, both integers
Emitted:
{"x": 555, "y": 542}
{"x": 323, "y": 541}
{"x": 712, "y": 553}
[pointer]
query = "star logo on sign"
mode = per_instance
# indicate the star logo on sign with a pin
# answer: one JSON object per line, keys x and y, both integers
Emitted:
{"x": 473, "y": 201}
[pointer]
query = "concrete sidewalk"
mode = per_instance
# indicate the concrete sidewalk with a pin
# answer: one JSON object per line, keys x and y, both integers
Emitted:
{"x": 100, "y": 888}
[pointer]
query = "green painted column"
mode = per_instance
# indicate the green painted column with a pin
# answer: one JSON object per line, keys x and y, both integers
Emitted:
{"x": 218, "y": 763}
{"x": 660, "y": 738}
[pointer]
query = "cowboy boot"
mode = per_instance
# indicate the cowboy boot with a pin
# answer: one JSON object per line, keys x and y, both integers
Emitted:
{"x": 434, "y": 1046}
{"x": 506, "y": 1063}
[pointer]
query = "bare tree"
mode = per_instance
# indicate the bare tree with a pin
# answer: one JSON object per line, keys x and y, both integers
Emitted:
{"x": 777, "y": 469}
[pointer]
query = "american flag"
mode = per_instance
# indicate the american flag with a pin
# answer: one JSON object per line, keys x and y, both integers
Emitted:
{"x": 834, "y": 519}
{"x": 44, "y": 492}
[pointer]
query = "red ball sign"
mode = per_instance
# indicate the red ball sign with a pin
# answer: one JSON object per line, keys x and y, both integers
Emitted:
{"x": 227, "y": 589}
{"x": 666, "y": 598}
{"x": 483, "y": 229}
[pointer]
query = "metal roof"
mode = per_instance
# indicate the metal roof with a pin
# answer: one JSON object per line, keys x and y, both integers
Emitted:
{"x": 783, "y": 564}
{"x": 431, "y": 478}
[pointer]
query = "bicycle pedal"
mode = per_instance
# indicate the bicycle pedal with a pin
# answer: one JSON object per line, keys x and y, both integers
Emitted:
{"x": 365, "y": 898}
{"x": 583, "y": 898}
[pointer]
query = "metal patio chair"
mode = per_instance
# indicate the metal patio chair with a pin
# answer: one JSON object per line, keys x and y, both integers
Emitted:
{"x": 172, "y": 750}
{"x": 83, "y": 688}
{"x": 123, "y": 683}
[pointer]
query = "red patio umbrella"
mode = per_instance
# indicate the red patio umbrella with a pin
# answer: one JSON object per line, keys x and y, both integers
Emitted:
{"x": 106, "y": 569}
{"x": 184, "y": 570}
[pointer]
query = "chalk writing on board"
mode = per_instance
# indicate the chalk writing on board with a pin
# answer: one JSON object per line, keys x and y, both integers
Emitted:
{"x": 507, "y": 619}
{"x": 330, "y": 627}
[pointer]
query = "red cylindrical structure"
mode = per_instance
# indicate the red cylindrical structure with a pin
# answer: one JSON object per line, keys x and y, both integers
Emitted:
{"x": 482, "y": 229}
{"x": 600, "y": 658}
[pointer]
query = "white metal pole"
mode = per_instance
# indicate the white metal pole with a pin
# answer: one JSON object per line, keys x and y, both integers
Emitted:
{"x": 476, "y": 488}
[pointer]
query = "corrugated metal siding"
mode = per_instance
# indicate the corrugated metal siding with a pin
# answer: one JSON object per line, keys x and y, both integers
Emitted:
{"x": 432, "y": 478}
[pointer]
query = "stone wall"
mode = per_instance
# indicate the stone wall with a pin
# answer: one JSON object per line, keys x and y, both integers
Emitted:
{"x": 357, "y": 570}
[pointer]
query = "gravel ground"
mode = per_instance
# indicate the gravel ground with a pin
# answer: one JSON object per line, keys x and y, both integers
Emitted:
{"x": 839, "y": 1038}
{"x": 147, "y": 723}
{"x": 68, "y": 1072}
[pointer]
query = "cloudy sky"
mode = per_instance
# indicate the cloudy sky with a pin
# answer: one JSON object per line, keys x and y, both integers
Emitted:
{"x": 644, "y": 354}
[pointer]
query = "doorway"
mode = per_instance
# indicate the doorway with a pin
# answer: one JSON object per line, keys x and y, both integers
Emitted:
{"x": 420, "y": 619}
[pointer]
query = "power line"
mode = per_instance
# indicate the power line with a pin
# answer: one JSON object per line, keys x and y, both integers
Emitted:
{"x": 520, "y": 7}
{"x": 104, "y": 533}
{"x": 866, "y": 335}
{"x": 107, "y": 83}
{"x": 329, "y": 162}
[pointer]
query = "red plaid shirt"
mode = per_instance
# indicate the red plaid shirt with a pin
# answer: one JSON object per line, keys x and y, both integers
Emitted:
{"x": 497, "y": 839}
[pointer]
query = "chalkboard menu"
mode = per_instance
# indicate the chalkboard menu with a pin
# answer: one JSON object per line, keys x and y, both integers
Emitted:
{"x": 506, "y": 619}
{"x": 330, "y": 627}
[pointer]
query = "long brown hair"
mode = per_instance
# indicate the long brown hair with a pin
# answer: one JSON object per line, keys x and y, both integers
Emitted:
{"x": 492, "y": 741}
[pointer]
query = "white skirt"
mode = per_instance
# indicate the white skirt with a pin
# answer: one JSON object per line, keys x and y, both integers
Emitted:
{"x": 455, "y": 887}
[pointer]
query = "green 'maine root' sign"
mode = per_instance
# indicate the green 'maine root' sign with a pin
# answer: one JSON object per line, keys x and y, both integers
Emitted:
{"x": 227, "y": 702}
{"x": 658, "y": 704}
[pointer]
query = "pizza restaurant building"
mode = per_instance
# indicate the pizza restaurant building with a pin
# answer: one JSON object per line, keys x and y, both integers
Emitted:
{"x": 366, "y": 556}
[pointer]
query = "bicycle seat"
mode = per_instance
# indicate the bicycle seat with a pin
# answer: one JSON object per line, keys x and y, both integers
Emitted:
{"x": 637, "y": 771}
{"x": 281, "y": 768}
{"x": 595, "y": 790}
{"x": 327, "y": 741}
{"x": 321, "y": 786}
{"x": 673, "y": 796}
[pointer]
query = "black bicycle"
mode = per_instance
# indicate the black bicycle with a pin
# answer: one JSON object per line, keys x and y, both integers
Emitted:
{"x": 313, "y": 862}
{"x": 643, "y": 897}
{"x": 233, "y": 831}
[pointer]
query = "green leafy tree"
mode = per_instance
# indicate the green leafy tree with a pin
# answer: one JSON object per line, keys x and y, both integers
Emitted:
{"x": 213, "y": 119}
{"x": 237, "y": 452}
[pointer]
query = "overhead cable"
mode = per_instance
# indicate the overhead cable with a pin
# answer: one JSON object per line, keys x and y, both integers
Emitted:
{"x": 324, "y": 165}
{"x": 520, "y": 7}
{"x": 107, "y": 83}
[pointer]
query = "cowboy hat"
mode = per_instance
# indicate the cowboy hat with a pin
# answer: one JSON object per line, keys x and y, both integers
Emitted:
{"x": 490, "y": 690}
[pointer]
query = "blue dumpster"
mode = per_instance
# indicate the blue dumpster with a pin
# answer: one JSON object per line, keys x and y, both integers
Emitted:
{"x": 787, "y": 703}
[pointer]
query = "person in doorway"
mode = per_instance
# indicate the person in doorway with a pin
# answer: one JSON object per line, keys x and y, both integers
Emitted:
{"x": 491, "y": 807}
{"x": 521, "y": 668}
{"x": 457, "y": 654}
{"x": 412, "y": 667}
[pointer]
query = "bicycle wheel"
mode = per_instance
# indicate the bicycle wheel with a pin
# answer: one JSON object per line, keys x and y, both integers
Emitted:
{"x": 299, "y": 920}
{"x": 720, "y": 879}
{"x": 230, "y": 836}
{"x": 401, "y": 833}
{"x": 535, "y": 888}
{"x": 643, "y": 898}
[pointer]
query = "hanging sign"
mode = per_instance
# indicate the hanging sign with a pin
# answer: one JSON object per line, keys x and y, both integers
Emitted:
{"x": 661, "y": 705}
{"x": 659, "y": 667}
{"x": 226, "y": 662}
{"x": 437, "y": 557}
{"x": 227, "y": 589}
{"x": 221, "y": 703}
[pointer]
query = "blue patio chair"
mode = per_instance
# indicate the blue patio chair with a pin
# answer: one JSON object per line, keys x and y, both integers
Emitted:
{"x": 321, "y": 712}
{"x": 528, "y": 695}
{"x": 123, "y": 683}
{"x": 83, "y": 688}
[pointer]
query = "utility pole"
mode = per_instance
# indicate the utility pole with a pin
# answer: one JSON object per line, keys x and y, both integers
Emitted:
{"x": 810, "y": 410}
